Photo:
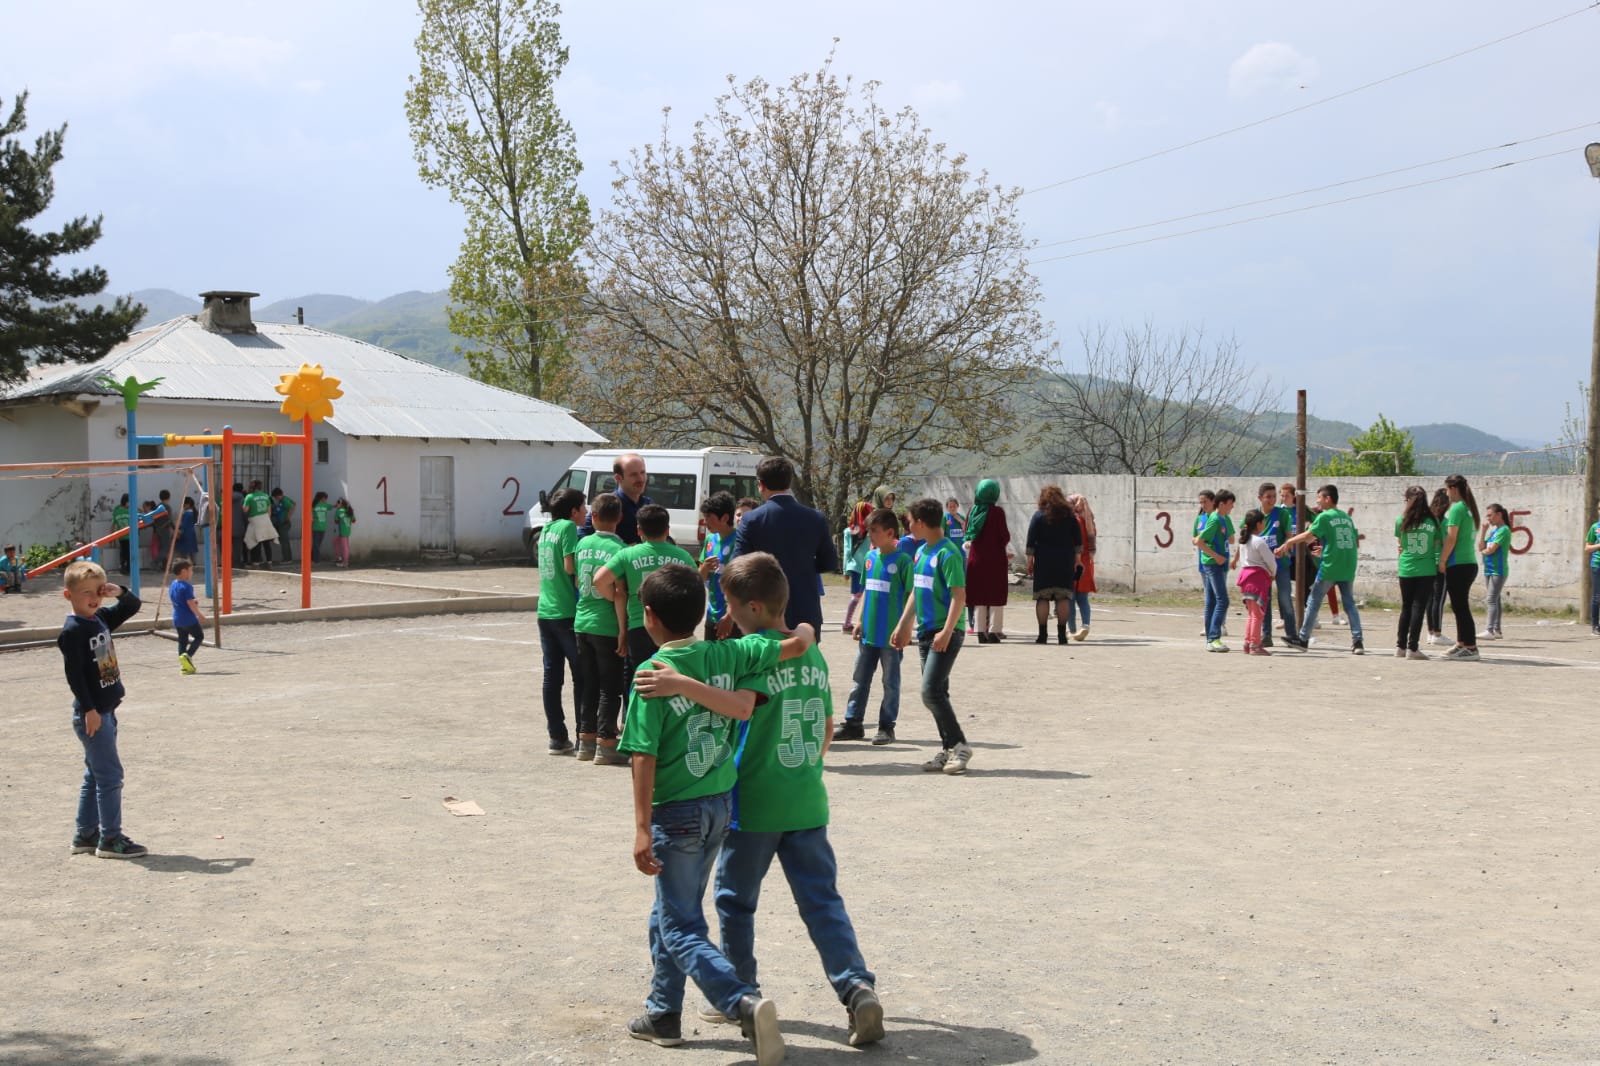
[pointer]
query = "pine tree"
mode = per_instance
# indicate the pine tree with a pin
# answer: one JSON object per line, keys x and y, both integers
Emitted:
{"x": 38, "y": 316}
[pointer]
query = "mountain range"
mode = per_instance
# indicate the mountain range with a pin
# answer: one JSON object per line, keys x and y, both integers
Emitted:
{"x": 416, "y": 324}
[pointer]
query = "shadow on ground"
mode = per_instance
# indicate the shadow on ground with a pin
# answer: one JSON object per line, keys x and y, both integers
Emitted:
{"x": 25, "y": 1048}
{"x": 908, "y": 1040}
{"x": 191, "y": 864}
{"x": 897, "y": 769}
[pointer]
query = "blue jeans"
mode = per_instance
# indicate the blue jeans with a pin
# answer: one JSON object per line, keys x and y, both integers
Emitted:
{"x": 936, "y": 666}
{"x": 1216, "y": 578}
{"x": 1319, "y": 593}
{"x": 100, "y": 798}
{"x": 1284, "y": 580}
{"x": 808, "y": 864}
{"x": 686, "y": 836}
{"x": 559, "y": 642}
{"x": 1077, "y": 606}
{"x": 867, "y": 660}
{"x": 316, "y": 544}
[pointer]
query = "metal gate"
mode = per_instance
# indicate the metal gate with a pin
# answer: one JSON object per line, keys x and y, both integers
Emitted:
{"x": 438, "y": 503}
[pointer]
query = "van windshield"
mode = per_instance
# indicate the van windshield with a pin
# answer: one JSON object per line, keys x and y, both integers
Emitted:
{"x": 672, "y": 491}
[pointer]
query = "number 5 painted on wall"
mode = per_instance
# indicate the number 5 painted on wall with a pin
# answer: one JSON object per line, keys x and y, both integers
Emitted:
{"x": 1527, "y": 545}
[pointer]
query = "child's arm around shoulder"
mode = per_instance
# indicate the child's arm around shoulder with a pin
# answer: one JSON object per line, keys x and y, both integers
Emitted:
{"x": 659, "y": 679}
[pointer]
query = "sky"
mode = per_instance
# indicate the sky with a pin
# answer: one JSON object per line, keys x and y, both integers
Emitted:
{"x": 263, "y": 146}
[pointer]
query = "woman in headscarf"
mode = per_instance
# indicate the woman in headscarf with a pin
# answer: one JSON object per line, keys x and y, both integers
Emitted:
{"x": 1079, "y": 607}
{"x": 988, "y": 544}
{"x": 856, "y": 546}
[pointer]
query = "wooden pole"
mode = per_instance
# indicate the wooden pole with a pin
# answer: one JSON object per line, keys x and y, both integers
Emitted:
{"x": 1591, "y": 471}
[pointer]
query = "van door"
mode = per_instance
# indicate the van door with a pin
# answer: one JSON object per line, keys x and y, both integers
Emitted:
{"x": 438, "y": 503}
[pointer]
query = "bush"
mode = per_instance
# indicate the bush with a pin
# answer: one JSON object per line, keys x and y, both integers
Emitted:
{"x": 39, "y": 554}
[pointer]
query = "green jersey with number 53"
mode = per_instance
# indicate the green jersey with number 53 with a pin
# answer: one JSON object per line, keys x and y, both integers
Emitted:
{"x": 780, "y": 761}
{"x": 693, "y": 747}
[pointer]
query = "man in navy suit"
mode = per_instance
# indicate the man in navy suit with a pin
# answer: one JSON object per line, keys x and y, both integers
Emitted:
{"x": 797, "y": 535}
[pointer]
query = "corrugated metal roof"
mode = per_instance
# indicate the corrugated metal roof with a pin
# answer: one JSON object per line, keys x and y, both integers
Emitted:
{"x": 385, "y": 394}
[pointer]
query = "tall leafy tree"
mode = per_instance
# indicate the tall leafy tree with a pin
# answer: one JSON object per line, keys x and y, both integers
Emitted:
{"x": 812, "y": 274}
{"x": 38, "y": 316}
{"x": 1384, "y": 450}
{"x": 485, "y": 127}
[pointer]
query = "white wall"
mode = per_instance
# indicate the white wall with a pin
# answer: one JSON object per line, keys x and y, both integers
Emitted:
{"x": 39, "y": 511}
{"x": 1145, "y": 526}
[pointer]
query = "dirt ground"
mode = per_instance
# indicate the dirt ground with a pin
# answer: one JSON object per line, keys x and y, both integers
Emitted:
{"x": 1159, "y": 856}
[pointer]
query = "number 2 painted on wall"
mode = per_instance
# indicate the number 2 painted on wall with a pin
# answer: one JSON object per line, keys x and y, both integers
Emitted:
{"x": 383, "y": 486}
{"x": 514, "y": 496}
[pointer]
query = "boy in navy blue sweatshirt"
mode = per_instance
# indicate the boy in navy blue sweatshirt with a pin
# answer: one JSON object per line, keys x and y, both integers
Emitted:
{"x": 96, "y": 682}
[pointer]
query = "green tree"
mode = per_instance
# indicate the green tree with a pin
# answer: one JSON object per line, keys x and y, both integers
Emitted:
{"x": 485, "y": 127}
{"x": 38, "y": 316}
{"x": 1384, "y": 450}
{"x": 814, "y": 275}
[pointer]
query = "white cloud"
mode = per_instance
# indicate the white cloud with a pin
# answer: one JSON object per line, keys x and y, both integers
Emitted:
{"x": 1270, "y": 65}
{"x": 933, "y": 93}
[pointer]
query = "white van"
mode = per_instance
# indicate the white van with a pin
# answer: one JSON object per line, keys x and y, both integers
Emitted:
{"x": 679, "y": 478}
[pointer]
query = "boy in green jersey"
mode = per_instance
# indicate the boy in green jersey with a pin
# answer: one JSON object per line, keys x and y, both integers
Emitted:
{"x": 782, "y": 802}
{"x": 886, "y": 587}
{"x": 937, "y": 609}
{"x": 283, "y": 508}
{"x": 320, "y": 510}
{"x": 628, "y": 569}
{"x": 1216, "y": 533}
{"x": 598, "y": 622}
{"x": 558, "y": 602}
{"x": 1340, "y": 551}
{"x": 1591, "y": 548}
{"x": 683, "y": 776}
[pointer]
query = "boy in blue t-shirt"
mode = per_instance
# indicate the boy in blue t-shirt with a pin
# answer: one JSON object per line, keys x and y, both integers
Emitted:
{"x": 12, "y": 570}
{"x": 937, "y": 607}
{"x": 886, "y": 587}
{"x": 187, "y": 618}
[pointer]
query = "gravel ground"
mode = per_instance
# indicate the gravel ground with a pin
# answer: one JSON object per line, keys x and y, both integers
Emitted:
{"x": 1159, "y": 856}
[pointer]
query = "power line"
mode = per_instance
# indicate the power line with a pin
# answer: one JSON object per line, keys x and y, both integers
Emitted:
{"x": 1316, "y": 189}
{"x": 1298, "y": 210}
{"x": 1315, "y": 103}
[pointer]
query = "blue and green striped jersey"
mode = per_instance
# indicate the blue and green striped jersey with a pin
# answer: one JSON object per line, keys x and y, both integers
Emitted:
{"x": 938, "y": 570}
{"x": 716, "y": 547}
{"x": 886, "y": 581}
{"x": 1498, "y": 562}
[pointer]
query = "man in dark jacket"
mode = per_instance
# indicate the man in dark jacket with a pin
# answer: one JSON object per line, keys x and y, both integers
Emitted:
{"x": 797, "y": 535}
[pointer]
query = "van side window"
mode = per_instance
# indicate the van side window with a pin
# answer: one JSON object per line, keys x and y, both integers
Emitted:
{"x": 739, "y": 485}
{"x": 604, "y": 483}
{"x": 675, "y": 492}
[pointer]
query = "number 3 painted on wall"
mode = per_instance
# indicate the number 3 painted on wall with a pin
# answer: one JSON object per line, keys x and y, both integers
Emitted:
{"x": 514, "y": 496}
{"x": 1166, "y": 524}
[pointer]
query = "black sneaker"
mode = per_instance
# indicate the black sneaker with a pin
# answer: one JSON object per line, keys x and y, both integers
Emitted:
{"x": 1296, "y": 643}
{"x": 120, "y": 848}
{"x": 1357, "y": 648}
{"x": 82, "y": 845}
{"x": 564, "y": 747}
{"x": 1266, "y": 642}
{"x": 758, "y": 1020}
{"x": 663, "y": 1030}
{"x": 848, "y": 730}
{"x": 866, "y": 1016}
{"x": 885, "y": 736}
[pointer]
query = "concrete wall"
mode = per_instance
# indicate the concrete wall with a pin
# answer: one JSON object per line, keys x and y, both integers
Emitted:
{"x": 40, "y": 511}
{"x": 1145, "y": 526}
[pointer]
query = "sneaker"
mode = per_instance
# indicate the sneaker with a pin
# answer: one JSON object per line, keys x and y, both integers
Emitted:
{"x": 884, "y": 736}
{"x": 563, "y": 747}
{"x": 1340, "y": 620}
{"x": 758, "y": 1020}
{"x": 1081, "y": 634}
{"x": 82, "y": 845}
{"x": 1256, "y": 649}
{"x": 937, "y": 763}
{"x": 960, "y": 755}
{"x": 866, "y": 1016}
{"x": 186, "y": 664}
{"x": 1295, "y": 643}
{"x": 708, "y": 1013}
{"x": 1224, "y": 629}
{"x": 1437, "y": 638}
{"x": 1216, "y": 645}
{"x": 606, "y": 754}
{"x": 663, "y": 1030}
{"x": 848, "y": 730}
{"x": 1357, "y": 648}
{"x": 1399, "y": 653}
{"x": 120, "y": 848}
{"x": 586, "y": 749}
{"x": 1496, "y": 635}
{"x": 1464, "y": 655}
{"x": 1416, "y": 655}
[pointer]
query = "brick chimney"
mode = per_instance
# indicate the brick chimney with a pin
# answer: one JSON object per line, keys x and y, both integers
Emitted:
{"x": 227, "y": 312}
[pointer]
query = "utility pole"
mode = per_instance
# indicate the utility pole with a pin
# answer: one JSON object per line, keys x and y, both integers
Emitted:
{"x": 1301, "y": 555}
{"x": 1591, "y": 471}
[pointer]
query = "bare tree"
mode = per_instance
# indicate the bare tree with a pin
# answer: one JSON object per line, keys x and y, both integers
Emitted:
{"x": 815, "y": 276}
{"x": 1144, "y": 402}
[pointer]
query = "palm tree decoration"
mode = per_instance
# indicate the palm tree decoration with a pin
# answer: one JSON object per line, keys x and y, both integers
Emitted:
{"x": 131, "y": 389}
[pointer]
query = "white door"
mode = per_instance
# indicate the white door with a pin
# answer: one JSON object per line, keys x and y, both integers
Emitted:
{"x": 438, "y": 503}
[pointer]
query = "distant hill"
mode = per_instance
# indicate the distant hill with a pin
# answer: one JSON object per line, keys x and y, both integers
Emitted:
{"x": 1454, "y": 438}
{"x": 319, "y": 309}
{"x": 163, "y": 304}
{"x": 410, "y": 323}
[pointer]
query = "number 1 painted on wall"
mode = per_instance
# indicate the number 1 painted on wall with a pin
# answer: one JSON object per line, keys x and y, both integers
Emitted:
{"x": 383, "y": 486}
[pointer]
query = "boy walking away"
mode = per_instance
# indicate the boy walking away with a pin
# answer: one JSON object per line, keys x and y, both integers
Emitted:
{"x": 283, "y": 508}
{"x": 1337, "y": 533}
{"x": 597, "y": 621}
{"x": 716, "y": 512}
{"x": 187, "y": 618}
{"x": 90, "y": 658}
{"x": 320, "y": 509}
{"x": 1216, "y": 533}
{"x": 13, "y": 572}
{"x": 783, "y": 804}
{"x": 886, "y": 589}
{"x": 558, "y": 602}
{"x": 938, "y": 610}
{"x": 683, "y": 777}
{"x": 627, "y": 571}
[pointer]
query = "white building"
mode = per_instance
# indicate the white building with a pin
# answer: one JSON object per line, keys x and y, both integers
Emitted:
{"x": 432, "y": 462}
